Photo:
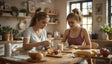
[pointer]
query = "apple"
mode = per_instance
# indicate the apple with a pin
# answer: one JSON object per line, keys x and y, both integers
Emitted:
{"x": 56, "y": 52}
{"x": 104, "y": 51}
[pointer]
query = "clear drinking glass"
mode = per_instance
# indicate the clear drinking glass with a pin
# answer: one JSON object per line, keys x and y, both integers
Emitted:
{"x": 60, "y": 46}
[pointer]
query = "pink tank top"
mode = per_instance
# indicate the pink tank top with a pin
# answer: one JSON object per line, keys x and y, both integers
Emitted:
{"x": 75, "y": 41}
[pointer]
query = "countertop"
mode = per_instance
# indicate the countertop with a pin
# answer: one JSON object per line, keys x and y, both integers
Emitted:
{"x": 21, "y": 41}
{"x": 93, "y": 40}
{"x": 14, "y": 41}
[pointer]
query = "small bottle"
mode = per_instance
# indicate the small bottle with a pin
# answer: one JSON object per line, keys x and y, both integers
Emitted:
{"x": 11, "y": 36}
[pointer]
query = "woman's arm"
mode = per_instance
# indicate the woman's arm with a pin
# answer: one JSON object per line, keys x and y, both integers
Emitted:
{"x": 65, "y": 36}
{"x": 28, "y": 46}
{"x": 87, "y": 40}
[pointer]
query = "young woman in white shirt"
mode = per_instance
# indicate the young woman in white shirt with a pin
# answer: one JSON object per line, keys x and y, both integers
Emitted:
{"x": 35, "y": 35}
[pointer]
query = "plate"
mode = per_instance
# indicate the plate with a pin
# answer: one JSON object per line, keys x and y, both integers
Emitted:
{"x": 56, "y": 56}
{"x": 35, "y": 60}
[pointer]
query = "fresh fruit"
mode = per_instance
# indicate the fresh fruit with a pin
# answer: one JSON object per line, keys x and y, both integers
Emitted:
{"x": 104, "y": 51}
{"x": 56, "y": 52}
{"x": 49, "y": 51}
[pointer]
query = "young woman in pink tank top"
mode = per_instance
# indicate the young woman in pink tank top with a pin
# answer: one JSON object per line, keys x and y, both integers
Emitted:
{"x": 77, "y": 36}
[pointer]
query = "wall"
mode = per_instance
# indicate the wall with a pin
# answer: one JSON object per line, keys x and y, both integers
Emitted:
{"x": 96, "y": 25}
{"x": 60, "y": 6}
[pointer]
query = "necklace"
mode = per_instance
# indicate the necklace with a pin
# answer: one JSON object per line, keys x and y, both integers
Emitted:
{"x": 38, "y": 33}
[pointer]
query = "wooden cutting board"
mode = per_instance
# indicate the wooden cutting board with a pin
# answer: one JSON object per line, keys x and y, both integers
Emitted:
{"x": 68, "y": 50}
{"x": 56, "y": 56}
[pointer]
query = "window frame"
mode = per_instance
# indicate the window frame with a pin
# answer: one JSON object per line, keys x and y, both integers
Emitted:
{"x": 109, "y": 13}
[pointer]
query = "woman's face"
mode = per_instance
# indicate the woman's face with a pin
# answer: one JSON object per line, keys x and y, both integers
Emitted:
{"x": 42, "y": 23}
{"x": 72, "y": 23}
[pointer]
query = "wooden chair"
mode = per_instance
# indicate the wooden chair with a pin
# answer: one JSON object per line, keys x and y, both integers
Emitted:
{"x": 95, "y": 45}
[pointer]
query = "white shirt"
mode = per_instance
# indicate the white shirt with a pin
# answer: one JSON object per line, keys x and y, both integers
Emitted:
{"x": 30, "y": 34}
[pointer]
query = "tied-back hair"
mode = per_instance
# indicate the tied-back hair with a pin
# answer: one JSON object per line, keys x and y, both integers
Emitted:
{"x": 39, "y": 16}
{"x": 76, "y": 15}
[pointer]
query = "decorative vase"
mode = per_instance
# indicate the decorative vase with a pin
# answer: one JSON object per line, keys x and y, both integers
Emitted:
{"x": 104, "y": 36}
{"x": 110, "y": 36}
{"x": 6, "y": 37}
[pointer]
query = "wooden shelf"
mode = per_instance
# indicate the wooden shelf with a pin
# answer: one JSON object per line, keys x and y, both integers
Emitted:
{"x": 53, "y": 23}
{"x": 5, "y": 10}
{"x": 10, "y": 16}
{"x": 51, "y": 14}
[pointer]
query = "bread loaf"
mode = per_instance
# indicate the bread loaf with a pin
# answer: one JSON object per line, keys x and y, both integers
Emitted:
{"x": 87, "y": 53}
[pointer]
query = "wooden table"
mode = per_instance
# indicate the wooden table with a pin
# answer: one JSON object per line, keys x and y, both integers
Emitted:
{"x": 107, "y": 60}
{"x": 66, "y": 59}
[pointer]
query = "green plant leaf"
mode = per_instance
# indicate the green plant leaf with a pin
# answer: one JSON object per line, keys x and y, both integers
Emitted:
{"x": 106, "y": 29}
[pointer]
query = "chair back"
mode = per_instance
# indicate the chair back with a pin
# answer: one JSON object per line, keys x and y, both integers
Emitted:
{"x": 95, "y": 45}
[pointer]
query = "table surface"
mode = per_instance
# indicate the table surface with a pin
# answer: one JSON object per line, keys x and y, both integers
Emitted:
{"x": 66, "y": 59}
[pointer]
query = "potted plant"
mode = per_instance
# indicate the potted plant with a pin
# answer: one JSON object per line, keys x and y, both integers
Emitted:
{"x": 24, "y": 11}
{"x": 15, "y": 11}
{"x": 6, "y": 32}
{"x": 15, "y": 33}
{"x": 106, "y": 29}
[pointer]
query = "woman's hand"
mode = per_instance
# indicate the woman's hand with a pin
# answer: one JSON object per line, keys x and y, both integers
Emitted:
{"x": 47, "y": 43}
{"x": 73, "y": 46}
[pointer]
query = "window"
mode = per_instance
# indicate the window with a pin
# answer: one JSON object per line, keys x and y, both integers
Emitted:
{"x": 86, "y": 8}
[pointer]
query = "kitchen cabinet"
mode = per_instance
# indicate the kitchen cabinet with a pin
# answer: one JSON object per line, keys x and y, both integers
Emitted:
{"x": 1, "y": 49}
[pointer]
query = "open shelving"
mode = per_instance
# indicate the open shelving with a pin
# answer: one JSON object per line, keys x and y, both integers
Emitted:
{"x": 10, "y": 16}
{"x": 25, "y": 17}
{"x": 51, "y": 14}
